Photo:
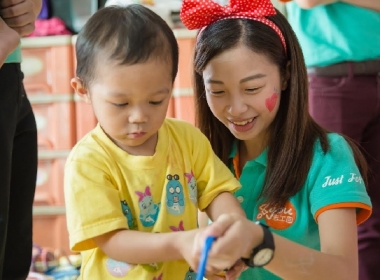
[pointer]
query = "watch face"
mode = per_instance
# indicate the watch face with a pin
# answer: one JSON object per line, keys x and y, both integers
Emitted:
{"x": 263, "y": 257}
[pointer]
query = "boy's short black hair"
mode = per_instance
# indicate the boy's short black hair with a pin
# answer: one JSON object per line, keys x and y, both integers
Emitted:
{"x": 127, "y": 35}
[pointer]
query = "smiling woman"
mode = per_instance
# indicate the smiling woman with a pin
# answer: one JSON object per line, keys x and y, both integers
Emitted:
{"x": 251, "y": 93}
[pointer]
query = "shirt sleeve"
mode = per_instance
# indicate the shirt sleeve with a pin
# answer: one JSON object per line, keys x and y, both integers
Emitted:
{"x": 213, "y": 176}
{"x": 336, "y": 182}
{"x": 92, "y": 204}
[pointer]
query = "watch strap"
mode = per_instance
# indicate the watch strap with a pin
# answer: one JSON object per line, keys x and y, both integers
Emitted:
{"x": 268, "y": 242}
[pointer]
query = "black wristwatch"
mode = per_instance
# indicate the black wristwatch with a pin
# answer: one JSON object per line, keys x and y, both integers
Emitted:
{"x": 262, "y": 254}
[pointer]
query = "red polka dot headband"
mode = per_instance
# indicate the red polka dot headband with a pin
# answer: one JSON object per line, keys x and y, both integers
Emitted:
{"x": 196, "y": 14}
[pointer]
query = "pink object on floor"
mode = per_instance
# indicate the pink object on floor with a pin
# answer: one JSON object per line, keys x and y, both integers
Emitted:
{"x": 49, "y": 27}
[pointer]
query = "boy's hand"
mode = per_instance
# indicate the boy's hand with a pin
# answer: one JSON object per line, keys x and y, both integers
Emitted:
{"x": 236, "y": 236}
{"x": 187, "y": 249}
{"x": 19, "y": 15}
{"x": 190, "y": 245}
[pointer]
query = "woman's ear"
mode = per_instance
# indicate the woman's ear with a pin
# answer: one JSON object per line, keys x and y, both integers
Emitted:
{"x": 78, "y": 86}
{"x": 286, "y": 77}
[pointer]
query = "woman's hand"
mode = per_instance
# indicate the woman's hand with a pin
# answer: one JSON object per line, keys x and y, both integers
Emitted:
{"x": 231, "y": 274}
{"x": 236, "y": 236}
{"x": 235, "y": 271}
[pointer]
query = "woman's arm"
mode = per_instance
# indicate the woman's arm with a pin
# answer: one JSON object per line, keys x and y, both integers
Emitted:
{"x": 369, "y": 4}
{"x": 308, "y": 4}
{"x": 144, "y": 247}
{"x": 338, "y": 258}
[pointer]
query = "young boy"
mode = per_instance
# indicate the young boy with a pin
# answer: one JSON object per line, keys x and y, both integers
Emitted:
{"x": 134, "y": 184}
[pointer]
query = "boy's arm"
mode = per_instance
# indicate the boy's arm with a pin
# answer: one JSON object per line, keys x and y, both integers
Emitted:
{"x": 136, "y": 247}
{"x": 224, "y": 203}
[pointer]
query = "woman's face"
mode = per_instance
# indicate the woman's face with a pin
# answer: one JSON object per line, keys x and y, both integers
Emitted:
{"x": 243, "y": 90}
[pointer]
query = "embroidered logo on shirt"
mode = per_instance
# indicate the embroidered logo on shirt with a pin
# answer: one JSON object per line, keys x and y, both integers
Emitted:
{"x": 175, "y": 200}
{"x": 116, "y": 268}
{"x": 335, "y": 181}
{"x": 277, "y": 218}
{"x": 192, "y": 184}
{"x": 128, "y": 214}
{"x": 332, "y": 181}
{"x": 148, "y": 209}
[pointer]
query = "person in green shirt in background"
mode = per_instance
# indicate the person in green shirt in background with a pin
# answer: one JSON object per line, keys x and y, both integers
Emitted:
{"x": 341, "y": 44}
{"x": 18, "y": 138}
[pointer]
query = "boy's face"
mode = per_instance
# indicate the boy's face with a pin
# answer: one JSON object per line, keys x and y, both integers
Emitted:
{"x": 130, "y": 102}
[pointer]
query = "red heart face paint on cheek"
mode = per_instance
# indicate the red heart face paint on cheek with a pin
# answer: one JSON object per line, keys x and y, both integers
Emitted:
{"x": 271, "y": 102}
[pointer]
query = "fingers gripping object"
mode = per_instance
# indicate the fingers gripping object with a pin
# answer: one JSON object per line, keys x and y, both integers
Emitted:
{"x": 204, "y": 257}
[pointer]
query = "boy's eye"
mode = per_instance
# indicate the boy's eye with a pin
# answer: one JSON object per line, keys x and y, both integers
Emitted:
{"x": 155, "y": 102}
{"x": 216, "y": 92}
{"x": 120, "y": 104}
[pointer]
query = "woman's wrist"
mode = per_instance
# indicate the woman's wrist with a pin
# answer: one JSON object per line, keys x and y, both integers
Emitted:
{"x": 255, "y": 237}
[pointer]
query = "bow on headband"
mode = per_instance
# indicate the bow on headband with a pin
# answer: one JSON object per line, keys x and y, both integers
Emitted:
{"x": 197, "y": 14}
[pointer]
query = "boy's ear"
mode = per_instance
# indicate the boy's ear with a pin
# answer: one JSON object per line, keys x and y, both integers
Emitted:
{"x": 285, "y": 79}
{"x": 78, "y": 86}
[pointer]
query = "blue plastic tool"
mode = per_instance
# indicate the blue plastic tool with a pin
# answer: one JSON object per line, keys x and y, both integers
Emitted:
{"x": 204, "y": 256}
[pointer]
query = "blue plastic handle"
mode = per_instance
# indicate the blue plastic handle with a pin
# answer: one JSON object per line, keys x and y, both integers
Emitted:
{"x": 204, "y": 256}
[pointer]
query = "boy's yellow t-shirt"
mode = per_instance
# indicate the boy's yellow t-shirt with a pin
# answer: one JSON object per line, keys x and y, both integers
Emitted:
{"x": 107, "y": 189}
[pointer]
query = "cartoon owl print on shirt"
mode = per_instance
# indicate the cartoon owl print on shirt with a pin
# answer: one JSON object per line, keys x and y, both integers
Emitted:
{"x": 190, "y": 275}
{"x": 192, "y": 184}
{"x": 175, "y": 200}
{"x": 128, "y": 214}
{"x": 148, "y": 209}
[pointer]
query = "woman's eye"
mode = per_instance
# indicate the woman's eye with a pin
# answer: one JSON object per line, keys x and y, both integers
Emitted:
{"x": 252, "y": 90}
{"x": 120, "y": 104}
{"x": 155, "y": 102}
